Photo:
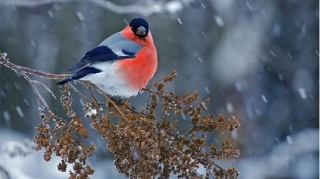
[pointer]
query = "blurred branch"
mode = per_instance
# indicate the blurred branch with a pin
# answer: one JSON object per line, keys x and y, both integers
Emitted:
{"x": 281, "y": 156}
{"x": 143, "y": 7}
{"x": 4, "y": 174}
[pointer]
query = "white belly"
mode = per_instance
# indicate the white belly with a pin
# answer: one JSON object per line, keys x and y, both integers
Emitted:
{"x": 110, "y": 82}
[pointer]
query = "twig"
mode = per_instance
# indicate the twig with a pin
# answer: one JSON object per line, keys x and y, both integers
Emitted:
{"x": 24, "y": 71}
{"x": 5, "y": 61}
{"x": 38, "y": 95}
{"x": 46, "y": 87}
{"x": 109, "y": 99}
{"x": 79, "y": 93}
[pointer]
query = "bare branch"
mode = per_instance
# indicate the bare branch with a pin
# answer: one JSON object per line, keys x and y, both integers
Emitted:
{"x": 40, "y": 99}
{"x": 24, "y": 71}
{"x": 20, "y": 69}
{"x": 46, "y": 87}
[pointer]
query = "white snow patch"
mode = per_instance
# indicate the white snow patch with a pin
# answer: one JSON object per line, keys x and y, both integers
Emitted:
{"x": 174, "y": 6}
{"x": 91, "y": 112}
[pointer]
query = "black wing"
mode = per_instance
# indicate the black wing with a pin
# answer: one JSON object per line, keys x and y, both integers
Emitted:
{"x": 113, "y": 48}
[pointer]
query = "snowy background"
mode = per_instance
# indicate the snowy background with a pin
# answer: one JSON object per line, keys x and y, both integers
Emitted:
{"x": 257, "y": 60}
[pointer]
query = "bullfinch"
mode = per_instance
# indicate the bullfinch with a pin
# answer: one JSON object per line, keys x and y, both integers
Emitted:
{"x": 122, "y": 64}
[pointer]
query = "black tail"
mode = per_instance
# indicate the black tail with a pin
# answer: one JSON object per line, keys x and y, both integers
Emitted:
{"x": 79, "y": 74}
{"x": 66, "y": 80}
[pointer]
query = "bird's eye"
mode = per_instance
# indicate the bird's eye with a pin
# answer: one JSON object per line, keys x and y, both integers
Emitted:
{"x": 141, "y": 31}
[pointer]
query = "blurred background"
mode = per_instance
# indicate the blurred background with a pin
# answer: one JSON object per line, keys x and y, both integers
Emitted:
{"x": 257, "y": 60}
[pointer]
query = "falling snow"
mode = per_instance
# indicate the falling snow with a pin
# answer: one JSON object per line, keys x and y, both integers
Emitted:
{"x": 241, "y": 85}
{"x": 33, "y": 43}
{"x": 289, "y": 140}
{"x": 264, "y": 98}
{"x": 17, "y": 86}
{"x": 276, "y": 29}
{"x": 80, "y": 16}
{"x": 179, "y": 20}
{"x": 234, "y": 134}
{"x": 229, "y": 107}
{"x": 249, "y": 6}
{"x": 26, "y": 102}
{"x": 2, "y": 93}
{"x": 6, "y": 115}
{"x": 50, "y": 14}
{"x": 183, "y": 116}
{"x": 280, "y": 77}
{"x": 81, "y": 101}
{"x": 207, "y": 89}
{"x": 56, "y": 6}
{"x": 303, "y": 93}
{"x": 291, "y": 128}
{"x": 203, "y": 33}
{"x": 219, "y": 20}
{"x": 18, "y": 109}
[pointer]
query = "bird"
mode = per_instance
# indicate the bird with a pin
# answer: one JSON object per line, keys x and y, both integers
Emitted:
{"x": 122, "y": 64}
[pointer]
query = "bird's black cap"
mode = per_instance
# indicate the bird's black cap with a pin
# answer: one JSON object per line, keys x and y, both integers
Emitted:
{"x": 140, "y": 27}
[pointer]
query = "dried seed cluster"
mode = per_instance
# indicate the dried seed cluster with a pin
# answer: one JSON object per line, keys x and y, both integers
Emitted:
{"x": 63, "y": 137}
{"x": 144, "y": 145}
